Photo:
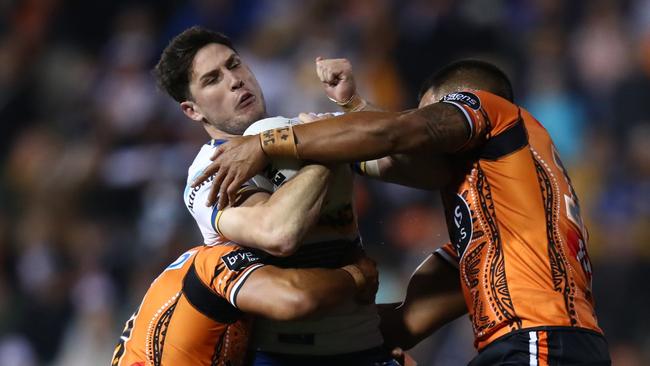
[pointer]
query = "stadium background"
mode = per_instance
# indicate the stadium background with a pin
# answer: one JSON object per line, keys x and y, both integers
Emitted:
{"x": 93, "y": 159}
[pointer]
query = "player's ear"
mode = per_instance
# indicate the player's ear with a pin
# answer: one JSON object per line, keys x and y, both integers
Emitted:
{"x": 191, "y": 110}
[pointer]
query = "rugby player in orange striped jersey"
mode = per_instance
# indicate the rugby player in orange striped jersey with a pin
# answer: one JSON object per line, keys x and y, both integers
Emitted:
{"x": 518, "y": 241}
{"x": 199, "y": 310}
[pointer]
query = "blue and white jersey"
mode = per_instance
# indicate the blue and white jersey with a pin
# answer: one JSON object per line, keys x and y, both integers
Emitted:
{"x": 349, "y": 327}
{"x": 195, "y": 198}
{"x": 327, "y": 245}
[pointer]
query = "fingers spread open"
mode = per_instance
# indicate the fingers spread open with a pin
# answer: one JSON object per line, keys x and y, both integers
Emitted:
{"x": 224, "y": 198}
{"x": 218, "y": 151}
{"x": 209, "y": 171}
{"x": 233, "y": 188}
{"x": 214, "y": 190}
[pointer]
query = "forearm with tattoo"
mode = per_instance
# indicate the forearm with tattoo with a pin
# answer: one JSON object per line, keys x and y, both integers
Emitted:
{"x": 370, "y": 135}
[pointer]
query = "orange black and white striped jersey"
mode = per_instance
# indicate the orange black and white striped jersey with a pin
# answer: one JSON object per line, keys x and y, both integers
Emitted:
{"x": 514, "y": 220}
{"x": 189, "y": 315}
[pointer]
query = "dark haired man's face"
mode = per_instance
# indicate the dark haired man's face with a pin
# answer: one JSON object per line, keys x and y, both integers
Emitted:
{"x": 225, "y": 92}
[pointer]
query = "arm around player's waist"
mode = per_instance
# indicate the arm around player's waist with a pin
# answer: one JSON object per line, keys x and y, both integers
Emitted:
{"x": 287, "y": 294}
{"x": 433, "y": 298}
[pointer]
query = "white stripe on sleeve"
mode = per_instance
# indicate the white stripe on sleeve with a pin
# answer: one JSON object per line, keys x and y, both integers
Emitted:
{"x": 240, "y": 282}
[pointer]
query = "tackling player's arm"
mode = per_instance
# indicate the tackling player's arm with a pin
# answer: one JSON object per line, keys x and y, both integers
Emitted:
{"x": 433, "y": 129}
{"x": 277, "y": 223}
{"x": 437, "y": 128}
{"x": 364, "y": 136}
{"x": 433, "y": 298}
{"x": 286, "y": 294}
{"x": 413, "y": 170}
{"x": 420, "y": 171}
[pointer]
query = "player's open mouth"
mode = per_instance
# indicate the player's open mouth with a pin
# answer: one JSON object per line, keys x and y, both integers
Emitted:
{"x": 245, "y": 100}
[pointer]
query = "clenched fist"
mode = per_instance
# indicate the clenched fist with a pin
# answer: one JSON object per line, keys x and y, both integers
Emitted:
{"x": 336, "y": 74}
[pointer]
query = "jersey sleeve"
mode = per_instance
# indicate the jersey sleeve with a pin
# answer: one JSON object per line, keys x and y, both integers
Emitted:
{"x": 367, "y": 168}
{"x": 207, "y": 217}
{"x": 195, "y": 198}
{"x": 225, "y": 268}
{"x": 448, "y": 253}
{"x": 487, "y": 115}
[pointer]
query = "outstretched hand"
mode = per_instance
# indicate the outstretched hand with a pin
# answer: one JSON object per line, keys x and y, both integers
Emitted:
{"x": 233, "y": 163}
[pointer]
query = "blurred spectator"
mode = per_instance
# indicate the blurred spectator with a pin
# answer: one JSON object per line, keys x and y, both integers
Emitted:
{"x": 95, "y": 158}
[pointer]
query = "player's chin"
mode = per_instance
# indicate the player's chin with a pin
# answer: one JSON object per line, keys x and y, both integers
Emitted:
{"x": 244, "y": 120}
{"x": 254, "y": 114}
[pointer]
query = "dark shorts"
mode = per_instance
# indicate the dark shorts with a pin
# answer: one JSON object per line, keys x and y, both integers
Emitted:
{"x": 372, "y": 357}
{"x": 546, "y": 346}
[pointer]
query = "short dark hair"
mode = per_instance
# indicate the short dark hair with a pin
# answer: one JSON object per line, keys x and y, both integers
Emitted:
{"x": 472, "y": 73}
{"x": 173, "y": 70}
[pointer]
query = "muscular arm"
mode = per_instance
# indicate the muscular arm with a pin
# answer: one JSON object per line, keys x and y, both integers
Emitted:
{"x": 433, "y": 299}
{"x": 285, "y": 294}
{"x": 439, "y": 127}
{"x": 412, "y": 170}
{"x": 425, "y": 171}
{"x": 277, "y": 223}
{"x": 434, "y": 129}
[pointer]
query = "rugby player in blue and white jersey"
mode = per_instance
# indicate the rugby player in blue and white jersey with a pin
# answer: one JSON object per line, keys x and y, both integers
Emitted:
{"x": 201, "y": 70}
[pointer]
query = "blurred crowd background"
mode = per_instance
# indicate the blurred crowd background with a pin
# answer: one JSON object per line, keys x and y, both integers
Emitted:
{"x": 94, "y": 159}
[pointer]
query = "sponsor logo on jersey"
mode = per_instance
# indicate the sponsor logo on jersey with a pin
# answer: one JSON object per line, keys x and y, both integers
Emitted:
{"x": 240, "y": 259}
{"x": 194, "y": 191}
{"x": 461, "y": 225}
{"x": 469, "y": 99}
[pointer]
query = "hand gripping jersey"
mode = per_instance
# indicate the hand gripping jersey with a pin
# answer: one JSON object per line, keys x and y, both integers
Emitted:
{"x": 195, "y": 198}
{"x": 515, "y": 227}
{"x": 189, "y": 314}
{"x": 327, "y": 245}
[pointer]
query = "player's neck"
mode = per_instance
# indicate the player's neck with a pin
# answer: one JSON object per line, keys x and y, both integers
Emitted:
{"x": 217, "y": 134}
